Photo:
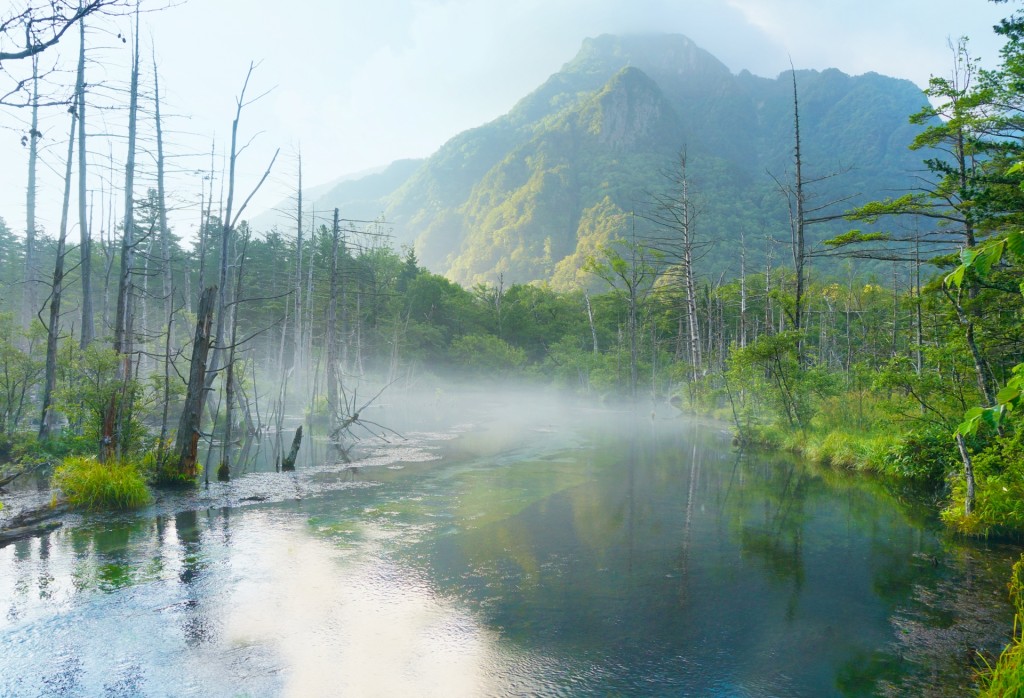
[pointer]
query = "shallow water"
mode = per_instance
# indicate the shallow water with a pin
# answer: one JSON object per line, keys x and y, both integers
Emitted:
{"x": 512, "y": 550}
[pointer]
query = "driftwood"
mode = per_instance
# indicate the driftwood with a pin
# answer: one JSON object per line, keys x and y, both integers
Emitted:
{"x": 289, "y": 461}
{"x": 10, "y": 478}
{"x": 12, "y": 535}
{"x": 30, "y": 517}
{"x": 32, "y": 522}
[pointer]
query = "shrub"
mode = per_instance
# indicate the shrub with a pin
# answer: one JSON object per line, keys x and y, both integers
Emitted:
{"x": 999, "y": 491}
{"x": 486, "y": 355}
{"x": 89, "y": 484}
{"x": 926, "y": 455}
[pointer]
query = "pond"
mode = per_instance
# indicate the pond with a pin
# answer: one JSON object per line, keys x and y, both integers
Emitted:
{"x": 508, "y": 548}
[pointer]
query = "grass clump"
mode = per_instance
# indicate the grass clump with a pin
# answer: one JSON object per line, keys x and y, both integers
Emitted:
{"x": 838, "y": 449}
{"x": 89, "y": 484}
{"x": 1006, "y": 678}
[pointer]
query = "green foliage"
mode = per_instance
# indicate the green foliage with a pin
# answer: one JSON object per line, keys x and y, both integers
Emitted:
{"x": 769, "y": 368}
{"x": 839, "y": 450}
{"x": 1006, "y": 678}
{"x": 19, "y": 371}
{"x": 999, "y": 496}
{"x": 856, "y": 236}
{"x": 926, "y": 454}
{"x": 486, "y": 355}
{"x": 94, "y": 486}
{"x": 87, "y": 382}
{"x": 172, "y": 480}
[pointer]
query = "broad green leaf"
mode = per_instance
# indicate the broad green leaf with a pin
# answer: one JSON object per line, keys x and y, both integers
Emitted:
{"x": 956, "y": 278}
{"x": 968, "y": 426}
{"x": 992, "y": 416}
{"x": 987, "y": 257}
{"x": 1015, "y": 243}
{"x": 1008, "y": 394}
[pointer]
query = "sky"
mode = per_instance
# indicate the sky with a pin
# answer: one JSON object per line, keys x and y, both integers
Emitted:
{"x": 355, "y": 85}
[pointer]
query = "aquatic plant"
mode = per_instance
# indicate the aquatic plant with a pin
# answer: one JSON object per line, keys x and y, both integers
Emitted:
{"x": 89, "y": 484}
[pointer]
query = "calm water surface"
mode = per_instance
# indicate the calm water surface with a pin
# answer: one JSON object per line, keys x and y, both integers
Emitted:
{"x": 517, "y": 551}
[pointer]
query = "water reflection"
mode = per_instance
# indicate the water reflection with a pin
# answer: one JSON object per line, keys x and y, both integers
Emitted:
{"x": 575, "y": 554}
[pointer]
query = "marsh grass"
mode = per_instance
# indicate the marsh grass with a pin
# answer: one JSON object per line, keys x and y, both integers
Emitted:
{"x": 89, "y": 484}
{"x": 1006, "y": 678}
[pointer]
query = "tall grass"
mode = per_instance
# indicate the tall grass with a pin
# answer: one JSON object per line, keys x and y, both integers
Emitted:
{"x": 89, "y": 484}
{"x": 1006, "y": 678}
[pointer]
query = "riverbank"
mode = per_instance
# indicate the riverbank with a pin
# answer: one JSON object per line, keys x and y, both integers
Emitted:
{"x": 924, "y": 463}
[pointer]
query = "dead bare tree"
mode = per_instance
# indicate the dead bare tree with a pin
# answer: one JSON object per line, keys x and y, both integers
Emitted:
{"x": 29, "y": 302}
{"x": 88, "y": 332}
{"x": 231, "y": 219}
{"x": 56, "y": 290}
{"x": 37, "y": 26}
{"x": 113, "y": 420}
{"x": 30, "y": 28}
{"x": 332, "y": 339}
{"x": 224, "y": 470}
{"x": 676, "y": 212}
{"x": 165, "y": 233}
{"x": 183, "y": 464}
{"x": 801, "y": 215}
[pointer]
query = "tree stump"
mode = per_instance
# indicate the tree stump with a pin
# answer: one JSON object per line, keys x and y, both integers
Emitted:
{"x": 289, "y": 461}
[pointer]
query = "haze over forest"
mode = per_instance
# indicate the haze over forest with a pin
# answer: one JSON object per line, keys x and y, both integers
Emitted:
{"x": 536, "y": 321}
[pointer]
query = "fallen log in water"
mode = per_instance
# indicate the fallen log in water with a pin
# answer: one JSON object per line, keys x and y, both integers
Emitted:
{"x": 30, "y": 517}
{"x": 12, "y": 535}
{"x": 10, "y": 478}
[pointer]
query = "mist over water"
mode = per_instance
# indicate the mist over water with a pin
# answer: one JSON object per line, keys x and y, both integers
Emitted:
{"x": 510, "y": 544}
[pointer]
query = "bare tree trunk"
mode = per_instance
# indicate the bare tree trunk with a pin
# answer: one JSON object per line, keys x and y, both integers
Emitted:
{"x": 307, "y": 343}
{"x": 122, "y": 339}
{"x": 224, "y": 471}
{"x": 981, "y": 368}
{"x": 165, "y": 233}
{"x": 919, "y": 322}
{"x": 360, "y": 371}
{"x": 29, "y": 298}
{"x": 299, "y": 366}
{"x": 228, "y": 225}
{"x": 769, "y": 320}
{"x": 161, "y": 442}
{"x": 85, "y": 248}
{"x": 289, "y": 461}
{"x": 590, "y": 318}
{"x": 186, "y": 447}
{"x": 333, "y": 408}
{"x": 743, "y": 291}
{"x": 343, "y": 319}
{"x": 797, "y": 224}
{"x": 113, "y": 421}
{"x": 968, "y": 474}
{"x": 107, "y": 244}
{"x": 53, "y": 328}
{"x": 686, "y": 228}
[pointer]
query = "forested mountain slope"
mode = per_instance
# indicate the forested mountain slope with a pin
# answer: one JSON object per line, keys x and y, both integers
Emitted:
{"x": 530, "y": 195}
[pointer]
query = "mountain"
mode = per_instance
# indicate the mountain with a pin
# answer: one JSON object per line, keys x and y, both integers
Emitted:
{"x": 360, "y": 195}
{"x": 531, "y": 194}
